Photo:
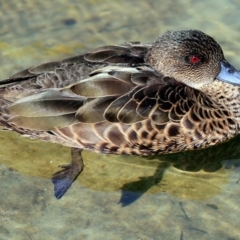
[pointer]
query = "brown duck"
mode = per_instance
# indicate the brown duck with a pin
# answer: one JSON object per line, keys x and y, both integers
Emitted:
{"x": 173, "y": 95}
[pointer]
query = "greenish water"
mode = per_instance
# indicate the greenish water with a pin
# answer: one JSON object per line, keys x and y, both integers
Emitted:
{"x": 116, "y": 197}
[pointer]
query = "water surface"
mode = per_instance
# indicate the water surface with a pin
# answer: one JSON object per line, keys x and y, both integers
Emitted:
{"x": 115, "y": 197}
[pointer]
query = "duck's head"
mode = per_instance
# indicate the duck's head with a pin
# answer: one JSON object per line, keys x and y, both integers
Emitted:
{"x": 192, "y": 57}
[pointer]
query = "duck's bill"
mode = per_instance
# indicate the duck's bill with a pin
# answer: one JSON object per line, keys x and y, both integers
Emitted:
{"x": 229, "y": 74}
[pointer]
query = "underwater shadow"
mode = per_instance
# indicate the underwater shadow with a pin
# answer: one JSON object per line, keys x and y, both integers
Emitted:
{"x": 212, "y": 159}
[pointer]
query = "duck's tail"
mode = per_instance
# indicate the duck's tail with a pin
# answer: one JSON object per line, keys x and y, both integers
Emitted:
{"x": 8, "y": 94}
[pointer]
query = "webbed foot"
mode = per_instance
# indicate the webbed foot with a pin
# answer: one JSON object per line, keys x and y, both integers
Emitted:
{"x": 63, "y": 179}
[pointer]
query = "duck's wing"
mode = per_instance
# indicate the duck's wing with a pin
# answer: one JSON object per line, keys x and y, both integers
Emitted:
{"x": 50, "y": 77}
{"x": 85, "y": 100}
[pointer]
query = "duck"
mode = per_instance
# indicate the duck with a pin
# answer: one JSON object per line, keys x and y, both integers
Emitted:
{"x": 176, "y": 94}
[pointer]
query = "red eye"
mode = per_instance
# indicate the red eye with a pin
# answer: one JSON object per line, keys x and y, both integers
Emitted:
{"x": 194, "y": 59}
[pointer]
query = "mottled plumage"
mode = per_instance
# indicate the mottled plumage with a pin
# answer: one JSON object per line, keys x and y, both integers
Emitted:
{"x": 176, "y": 94}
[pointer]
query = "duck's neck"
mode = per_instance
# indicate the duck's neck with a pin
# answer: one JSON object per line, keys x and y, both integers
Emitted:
{"x": 227, "y": 95}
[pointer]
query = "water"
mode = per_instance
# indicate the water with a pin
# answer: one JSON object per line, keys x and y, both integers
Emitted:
{"x": 115, "y": 197}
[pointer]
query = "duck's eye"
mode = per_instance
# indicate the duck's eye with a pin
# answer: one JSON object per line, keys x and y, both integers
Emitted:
{"x": 194, "y": 59}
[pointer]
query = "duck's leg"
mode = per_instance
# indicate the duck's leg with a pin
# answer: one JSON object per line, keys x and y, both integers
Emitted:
{"x": 63, "y": 179}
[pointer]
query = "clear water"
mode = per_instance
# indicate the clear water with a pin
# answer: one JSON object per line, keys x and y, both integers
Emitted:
{"x": 115, "y": 197}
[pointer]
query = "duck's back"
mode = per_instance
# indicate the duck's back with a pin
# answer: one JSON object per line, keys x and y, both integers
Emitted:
{"x": 59, "y": 74}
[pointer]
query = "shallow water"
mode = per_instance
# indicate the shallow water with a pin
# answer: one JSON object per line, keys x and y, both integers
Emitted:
{"x": 115, "y": 197}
